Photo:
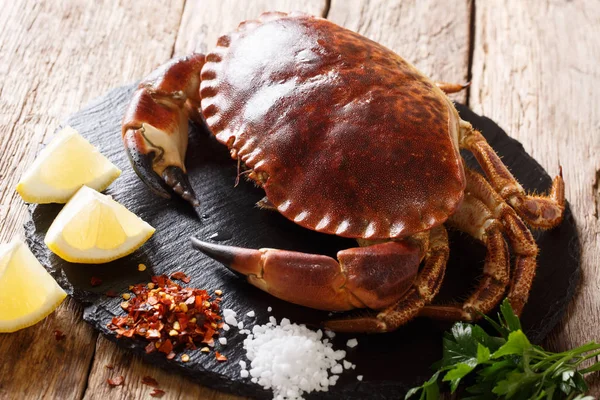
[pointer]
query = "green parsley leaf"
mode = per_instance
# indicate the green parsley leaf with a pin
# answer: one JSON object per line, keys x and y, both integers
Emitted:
{"x": 517, "y": 343}
{"x": 511, "y": 321}
{"x": 458, "y": 372}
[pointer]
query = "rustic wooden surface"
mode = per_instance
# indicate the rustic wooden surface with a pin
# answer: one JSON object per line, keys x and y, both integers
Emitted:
{"x": 534, "y": 71}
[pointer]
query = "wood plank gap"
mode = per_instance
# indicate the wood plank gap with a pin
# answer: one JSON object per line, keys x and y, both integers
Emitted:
{"x": 596, "y": 194}
{"x": 326, "y": 9}
{"x": 471, "y": 7}
{"x": 178, "y": 29}
{"x": 89, "y": 369}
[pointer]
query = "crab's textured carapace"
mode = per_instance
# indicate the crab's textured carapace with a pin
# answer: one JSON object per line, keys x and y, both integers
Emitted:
{"x": 346, "y": 138}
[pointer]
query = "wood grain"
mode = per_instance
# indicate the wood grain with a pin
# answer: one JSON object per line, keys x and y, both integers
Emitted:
{"x": 204, "y": 21}
{"x": 535, "y": 72}
{"x": 54, "y": 58}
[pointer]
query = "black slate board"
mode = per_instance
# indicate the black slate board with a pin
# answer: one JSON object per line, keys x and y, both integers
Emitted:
{"x": 390, "y": 363}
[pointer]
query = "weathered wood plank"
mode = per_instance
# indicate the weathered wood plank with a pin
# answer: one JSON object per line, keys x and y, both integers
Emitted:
{"x": 432, "y": 35}
{"x": 204, "y": 21}
{"x": 535, "y": 73}
{"x": 54, "y": 58}
{"x": 35, "y": 365}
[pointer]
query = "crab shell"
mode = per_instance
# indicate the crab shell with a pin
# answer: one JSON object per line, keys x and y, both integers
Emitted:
{"x": 345, "y": 136}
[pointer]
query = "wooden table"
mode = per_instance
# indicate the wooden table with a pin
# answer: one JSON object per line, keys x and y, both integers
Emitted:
{"x": 533, "y": 66}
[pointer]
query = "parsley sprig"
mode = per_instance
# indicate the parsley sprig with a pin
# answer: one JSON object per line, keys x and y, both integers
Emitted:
{"x": 508, "y": 366}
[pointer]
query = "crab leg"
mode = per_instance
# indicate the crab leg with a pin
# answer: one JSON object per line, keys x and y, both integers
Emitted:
{"x": 450, "y": 88}
{"x": 475, "y": 219}
{"x": 483, "y": 215}
{"x": 372, "y": 276}
{"x": 519, "y": 236}
{"x": 155, "y": 125}
{"x": 538, "y": 211}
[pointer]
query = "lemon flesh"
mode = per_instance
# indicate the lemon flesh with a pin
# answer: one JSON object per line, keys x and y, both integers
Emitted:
{"x": 67, "y": 163}
{"x": 92, "y": 228}
{"x": 28, "y": 293}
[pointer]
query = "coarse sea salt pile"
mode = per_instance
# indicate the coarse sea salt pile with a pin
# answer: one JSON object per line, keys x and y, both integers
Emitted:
{"x": 290, "y": 359}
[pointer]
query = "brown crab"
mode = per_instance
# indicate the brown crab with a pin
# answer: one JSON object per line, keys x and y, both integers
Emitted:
{"x": 346, "y": 138}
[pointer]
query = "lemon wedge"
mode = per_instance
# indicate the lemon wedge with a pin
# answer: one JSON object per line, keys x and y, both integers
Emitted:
{"x": 92, "y": 228}
{"x": 28, "y": 293}
{"x": 67, "y": 163}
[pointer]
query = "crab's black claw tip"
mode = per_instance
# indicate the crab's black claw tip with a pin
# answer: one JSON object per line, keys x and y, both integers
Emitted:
{"x": 223, "y": 254}
{"x": 237, "y": 259}
{"x": 142, "y": 165}
{"x": 179, "y": 182}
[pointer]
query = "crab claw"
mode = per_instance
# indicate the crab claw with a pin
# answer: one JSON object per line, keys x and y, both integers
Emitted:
{"x": 142, "y": 155}
{"x": 155, "y": 126}
{"x": 366, "y": 277}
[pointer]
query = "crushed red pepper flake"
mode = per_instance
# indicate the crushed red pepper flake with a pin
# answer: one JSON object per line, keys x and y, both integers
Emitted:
{"x": 118, "y": 381}
{"x": 157, "y": 393}
{"x": 111, "y": 293}
{"x": 180, "y": 276}
{"x": 109, "y": 366}
{"x": 95, "y": 281}
{"x": 150, "y": 348}
{"x": 220, "y": 357}
{"x": 59, "y": 335}
{"x": 150, "y": 381}
{"x": 166, "y": 346}
{"x": 170, "y": 317}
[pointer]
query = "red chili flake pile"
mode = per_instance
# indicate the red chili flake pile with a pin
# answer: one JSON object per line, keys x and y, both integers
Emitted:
{"x": 118, "y": 381}
{"x": 150, "y": 381}
{"x": 169, "y": 316}
{"x": 59, "y": 335}
{"x": 180, "y": 276}
{"x": 95, "y": 281}
{"x": 157, "y": 393}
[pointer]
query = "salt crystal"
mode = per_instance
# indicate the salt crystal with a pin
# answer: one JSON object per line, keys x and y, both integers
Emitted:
{"x": 352, "y": 343}
{"x": 269, "y": 309}
{"x": 228, "y": 311}
{"x": 250, "y": 313}
{"x": 337, "y": 369}
{"x": 240, "y": 325}
{"x": 273, "y": 320}
{"x": 230, "y": 319}
{"x": 359, "y": 377}
{"x": 243, "y": 364}
{"x": 330, "y": 334}
{"x": 225, "y": 327}
{"x": 347, "y": 364}
{"x": 244, "y": 373}
{"x": 223, "y": 340}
